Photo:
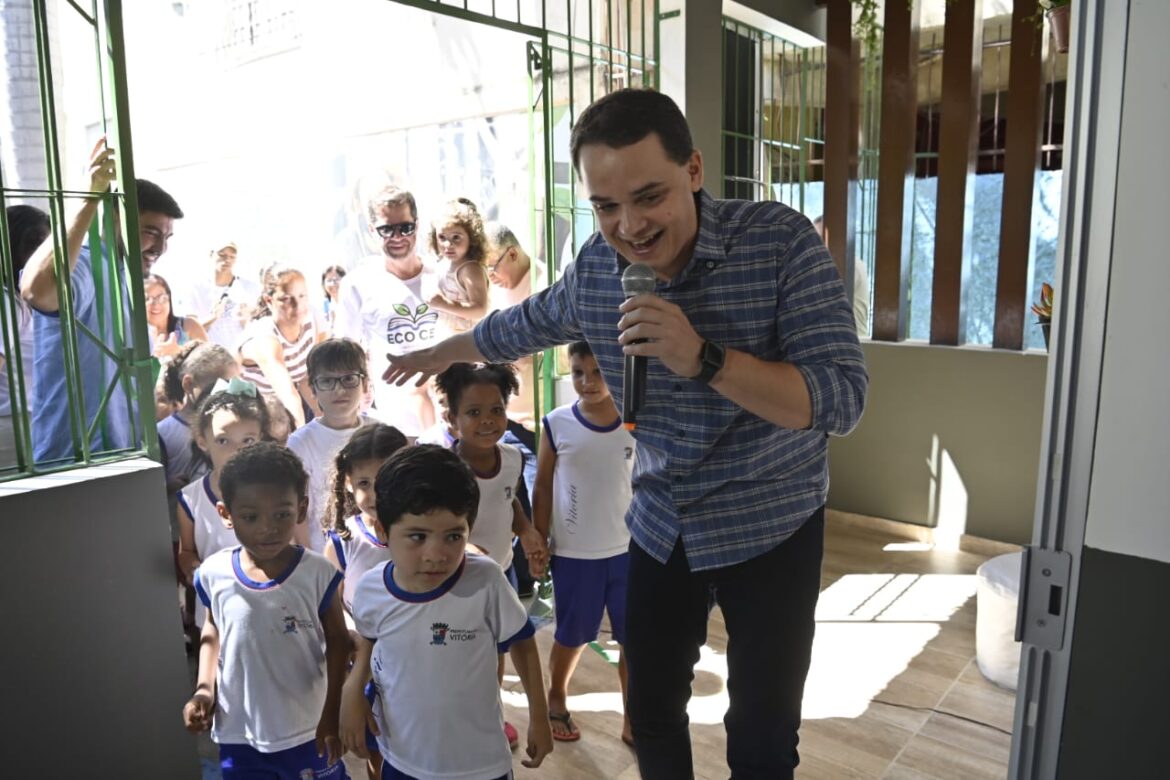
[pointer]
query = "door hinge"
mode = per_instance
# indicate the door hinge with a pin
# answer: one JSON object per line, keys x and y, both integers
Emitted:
{"x": 1043, "y": 608}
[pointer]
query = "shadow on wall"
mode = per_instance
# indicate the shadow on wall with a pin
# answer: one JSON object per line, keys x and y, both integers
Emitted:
{"x": 950, "y": 439}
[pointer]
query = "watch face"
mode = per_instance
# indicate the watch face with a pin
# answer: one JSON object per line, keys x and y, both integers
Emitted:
{"x": 713, "y": 354}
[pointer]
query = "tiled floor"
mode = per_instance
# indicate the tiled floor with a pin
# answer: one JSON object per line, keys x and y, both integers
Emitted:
{"x": 894, "y": 691}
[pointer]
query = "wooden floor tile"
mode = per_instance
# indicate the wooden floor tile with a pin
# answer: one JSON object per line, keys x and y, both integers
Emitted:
{"x": 932, "y": 758}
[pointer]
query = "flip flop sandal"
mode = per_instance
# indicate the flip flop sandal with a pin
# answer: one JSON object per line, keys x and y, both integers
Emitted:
{"x": 566, "y": 720}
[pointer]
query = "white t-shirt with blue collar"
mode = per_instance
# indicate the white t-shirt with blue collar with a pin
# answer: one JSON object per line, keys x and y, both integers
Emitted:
{"x": 271, "y": 682}
{"x": 434, "y": 667}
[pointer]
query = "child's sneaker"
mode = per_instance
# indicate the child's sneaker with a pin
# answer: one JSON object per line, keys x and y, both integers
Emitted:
{"x": 512, "y": 735}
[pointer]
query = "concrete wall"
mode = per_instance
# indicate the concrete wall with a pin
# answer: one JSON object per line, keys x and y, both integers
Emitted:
{"x": 95, "y": 673}
{"x": 950, "y": 439}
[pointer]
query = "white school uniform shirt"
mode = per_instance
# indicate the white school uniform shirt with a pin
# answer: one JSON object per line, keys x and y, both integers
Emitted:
{"x": 317, "y": 445}
{"x": 386, "y": 314}
{"x": 357, "y": 555}
{"x": 434, "y": 667}
{"x": 591, "y": 485}
{"x": 493, "y": 522}
{"x": 211, "y": 535}
{"x": 271, "y": 682}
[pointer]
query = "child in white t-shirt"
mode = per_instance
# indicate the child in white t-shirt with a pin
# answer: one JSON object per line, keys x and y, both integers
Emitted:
{"x": 433, "y": 622}
{"x": 354, "y": 546}
{"x": 582, "y": 493}
{"x": 274, "y": 647}
{"x": 477, "y": 403}
{"x": 229, "y": 419}
{"x": 338, "y": 380}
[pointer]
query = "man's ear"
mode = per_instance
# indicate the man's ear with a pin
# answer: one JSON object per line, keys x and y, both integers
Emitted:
{"x": 224, "y": 515}
{"x": 694, "y": 168}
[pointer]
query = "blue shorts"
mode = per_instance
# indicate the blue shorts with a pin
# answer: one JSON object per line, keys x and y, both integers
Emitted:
{"x": 583, "y": 590}
{"x": 510, "y": 574}
{"x": 371, "y": 741}
{"x": 244, "y": 762}
{"x": 390, "y": 773}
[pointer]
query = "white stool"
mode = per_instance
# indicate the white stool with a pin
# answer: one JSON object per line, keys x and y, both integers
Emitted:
{"x": 997, "y": 597}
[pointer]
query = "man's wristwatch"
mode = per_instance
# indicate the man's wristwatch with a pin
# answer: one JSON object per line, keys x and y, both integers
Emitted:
{"x": 711, "y": 357}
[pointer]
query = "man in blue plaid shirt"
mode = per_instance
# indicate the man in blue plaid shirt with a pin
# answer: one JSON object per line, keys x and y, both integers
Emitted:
{"x": 753, "y": 363}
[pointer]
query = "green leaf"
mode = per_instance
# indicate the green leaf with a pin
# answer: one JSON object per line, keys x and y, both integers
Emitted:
{"x": 402, "y": 309}
{"x": 422, "y": 309}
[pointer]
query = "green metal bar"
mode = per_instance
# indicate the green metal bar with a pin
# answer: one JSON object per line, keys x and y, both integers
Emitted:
{"x": 14, "y": 358}
{"x": 549, "y": 359}
{"x": 612, "y": 41}
{"x": 138, "y": 344}
{"x": 60, "y": 260}
{"x": 88, "y": 17}
{"x": 657, "y": 42}
{"x": 802, "y": 155}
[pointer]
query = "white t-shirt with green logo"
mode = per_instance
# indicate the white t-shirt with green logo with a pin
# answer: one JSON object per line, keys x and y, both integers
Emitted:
{"x": 385, "y": 315}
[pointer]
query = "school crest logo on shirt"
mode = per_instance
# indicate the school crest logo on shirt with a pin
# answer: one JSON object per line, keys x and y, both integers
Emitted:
{"x": 292, "y": 624}
{"x": 508, "y": 492}
{"x": 629, "y": 452}
{"x": 411, "y": 326}
{"x": 441, "y": 634}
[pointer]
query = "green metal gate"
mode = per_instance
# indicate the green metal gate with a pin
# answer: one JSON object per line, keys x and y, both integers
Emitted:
{"x": 117, "y": 272}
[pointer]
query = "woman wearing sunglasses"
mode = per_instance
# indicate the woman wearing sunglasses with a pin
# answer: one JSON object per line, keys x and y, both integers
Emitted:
{"x": 274, "y": 349}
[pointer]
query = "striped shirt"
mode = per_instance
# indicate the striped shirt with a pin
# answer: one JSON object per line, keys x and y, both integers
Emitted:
{"x": 296, "y": 352}
{"x": 732, "y": 485}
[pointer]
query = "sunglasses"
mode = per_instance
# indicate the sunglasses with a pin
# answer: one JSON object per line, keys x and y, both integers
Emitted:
{"x": 397, "y": 229}
{"x": 325, "y": 384}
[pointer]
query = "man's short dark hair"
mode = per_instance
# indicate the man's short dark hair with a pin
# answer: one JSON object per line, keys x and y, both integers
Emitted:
{"x": 262, "y": 463}
{"x": 419, "y": 480}
{"x": 627, "y": 116}
{"x": 154, "y": 198}
{"x": 580, "y": 349}
{"x": 391, "y": 195}
{"x": 336, "y": 354}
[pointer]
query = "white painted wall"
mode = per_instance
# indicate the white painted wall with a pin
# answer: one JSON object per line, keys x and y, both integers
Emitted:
{"x": 1129, "y": 504}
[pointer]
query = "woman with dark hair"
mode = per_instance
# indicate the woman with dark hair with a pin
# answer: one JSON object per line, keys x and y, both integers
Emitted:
{"x": 167, "y": 332}
{"x": 330, "y": 284}
{"x": 28, "y": 227}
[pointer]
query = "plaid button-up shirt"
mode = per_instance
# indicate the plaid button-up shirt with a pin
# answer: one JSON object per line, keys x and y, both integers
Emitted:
{"x": 731, "y": 484}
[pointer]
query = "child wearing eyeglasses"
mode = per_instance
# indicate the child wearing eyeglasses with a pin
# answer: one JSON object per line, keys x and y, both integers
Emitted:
{"x": 457, "y": 239}
{"x": 338, "y": 380}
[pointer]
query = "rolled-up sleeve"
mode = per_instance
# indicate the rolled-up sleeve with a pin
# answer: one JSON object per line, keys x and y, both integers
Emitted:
{"x": 819, "y": 336}
{"x": 547, "y": 319}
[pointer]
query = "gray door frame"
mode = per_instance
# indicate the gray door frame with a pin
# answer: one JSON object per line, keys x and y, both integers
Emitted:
{"x": 1050, "y": 580}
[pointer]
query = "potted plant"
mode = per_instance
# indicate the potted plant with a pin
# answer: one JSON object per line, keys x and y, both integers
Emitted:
{"x": 1043, "y": 311}
{"x": 1057, "y": 12}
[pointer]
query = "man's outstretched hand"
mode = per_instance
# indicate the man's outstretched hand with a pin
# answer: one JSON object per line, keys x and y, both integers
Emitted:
{"x": 423, "y": 364}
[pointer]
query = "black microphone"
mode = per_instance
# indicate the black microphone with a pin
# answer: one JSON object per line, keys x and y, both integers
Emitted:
{"x": 637, "y": 279}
